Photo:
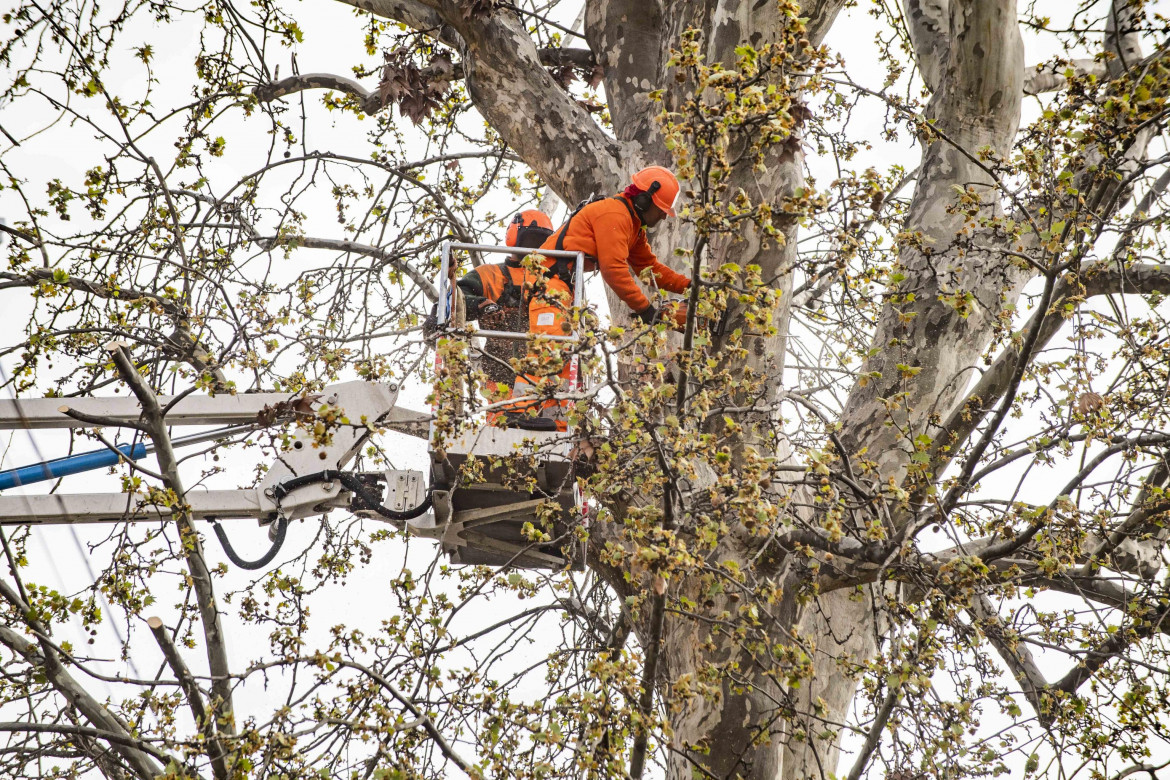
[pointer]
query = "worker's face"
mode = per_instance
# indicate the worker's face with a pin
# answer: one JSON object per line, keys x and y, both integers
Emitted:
{"x": 653, "y": 216}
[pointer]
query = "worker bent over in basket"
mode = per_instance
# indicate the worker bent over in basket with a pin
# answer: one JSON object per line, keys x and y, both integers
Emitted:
{"x": 612, "y": 234}
{"x": 497, "y": 295}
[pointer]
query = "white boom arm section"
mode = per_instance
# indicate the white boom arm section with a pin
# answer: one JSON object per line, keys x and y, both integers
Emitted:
{"x": 358, "y": 406}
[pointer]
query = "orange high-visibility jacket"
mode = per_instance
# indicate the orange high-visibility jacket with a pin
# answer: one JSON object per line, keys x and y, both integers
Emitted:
{"x": 610, "y": 231}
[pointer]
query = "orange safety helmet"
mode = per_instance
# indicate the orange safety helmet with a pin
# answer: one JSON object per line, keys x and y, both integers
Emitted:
{"x": 660, "y": 184}
{"x": 529, "y": 221}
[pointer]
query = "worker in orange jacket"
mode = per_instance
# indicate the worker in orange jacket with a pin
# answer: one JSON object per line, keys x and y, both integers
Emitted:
{"x": 612, "y": 234}
{"x": 489, "y": 287}
{"x": 497, "y": 296}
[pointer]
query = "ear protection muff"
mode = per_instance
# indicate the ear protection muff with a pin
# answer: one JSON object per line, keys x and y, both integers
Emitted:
{"x": 644, "y": 200}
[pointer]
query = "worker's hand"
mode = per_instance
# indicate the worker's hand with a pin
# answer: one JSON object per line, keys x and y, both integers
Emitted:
{"x": 431, "y": 327}
{"x": 649, "y": 315}
{"x": 673, "y": 313}
{"x": 488, "y": 307}
{"x": 510, "y": 297}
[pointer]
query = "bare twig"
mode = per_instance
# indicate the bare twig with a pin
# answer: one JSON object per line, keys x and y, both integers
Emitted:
{"x": 443, "y": 70}
{"x": 45, "y": 657}
{"x": 414, "y": 709}
{"x": 874, "y": 737}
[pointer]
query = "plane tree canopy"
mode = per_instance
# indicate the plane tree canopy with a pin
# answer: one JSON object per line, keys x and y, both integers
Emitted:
{"x": 893, "y": 504}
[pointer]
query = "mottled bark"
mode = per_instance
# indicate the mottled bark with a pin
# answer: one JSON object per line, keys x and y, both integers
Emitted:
{"x": 526, "y": 106}
{"x": 1122, "y": 40}
{"x": 627, "y": 37}
{"x": 977, "y": 105}
{"x": 1048, "y": 79}
{"x": 510, "y": 86}
{"x": 928, "y": 22}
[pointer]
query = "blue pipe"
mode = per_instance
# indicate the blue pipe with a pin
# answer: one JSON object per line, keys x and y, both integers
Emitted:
{"x": 73, "y": 464}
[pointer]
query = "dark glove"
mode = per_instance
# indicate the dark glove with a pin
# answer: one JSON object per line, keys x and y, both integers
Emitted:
{"x": 488, "y": 307}
{"x": 430, "y": 326}
{"x": 649, "y": 315}
{"x": 510, "y": 297}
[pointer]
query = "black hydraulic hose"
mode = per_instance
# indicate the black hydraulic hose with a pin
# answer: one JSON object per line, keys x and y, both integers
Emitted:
{"x": 351, "y": 481}
{"x": 354, "y": 484}
{"x": 261, "y": 562}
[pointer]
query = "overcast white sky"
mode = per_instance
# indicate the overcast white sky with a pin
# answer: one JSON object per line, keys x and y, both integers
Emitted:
{"x": 62, "y": 152}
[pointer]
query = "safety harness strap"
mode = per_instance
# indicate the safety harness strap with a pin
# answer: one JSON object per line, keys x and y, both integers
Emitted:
{"x": 562, "y": 267}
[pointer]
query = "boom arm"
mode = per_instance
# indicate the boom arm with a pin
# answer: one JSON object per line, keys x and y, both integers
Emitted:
{"x": 358, "y": 406}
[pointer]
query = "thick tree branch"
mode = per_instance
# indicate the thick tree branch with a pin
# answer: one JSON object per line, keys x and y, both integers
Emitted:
{"x": 442, "y": 70}
{"x": 1051, "y": 77}
{"x": 1148, "y": 612}
{"x": 291, "y": 85}
{"x": 976, "y": 104}
{"x": 37, "y": 276}
{"x": 622, "y": 33}
{"x": 413, "y": 13}
{"x": 1150, "y": 616}
{"x": 544, "y": 124}
{"x": 1106, "y": 651}
{"x": 928, "y": 22}
{"x": 190, "y": 351}
{"x": 820, "y": 14}
{"x": 510, "y": 86}
{"x": 113, "y": 737}
{"x": 874, "y": 737}
{"x": 1135, "y": 545}
{"x": 222, "y": 711}
{"x": 396, "y": 261}
{"x": 1136, "y": 279}
{"x": 1094, "y": 279}
{"x": 1015, "y": 654}
{"x": 203, "y": 720}
{"x": 1107, "y": 194}
{"x": 1122, "y": 36}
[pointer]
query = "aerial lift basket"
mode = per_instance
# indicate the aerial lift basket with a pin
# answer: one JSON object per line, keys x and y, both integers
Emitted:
{"x": 506, "y": 496}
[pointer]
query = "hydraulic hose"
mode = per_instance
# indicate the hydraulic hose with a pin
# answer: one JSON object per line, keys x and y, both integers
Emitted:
{"x": 355, "y": 485}
{"x": 261, "y": 562}
{"x": 352, "y": 483}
